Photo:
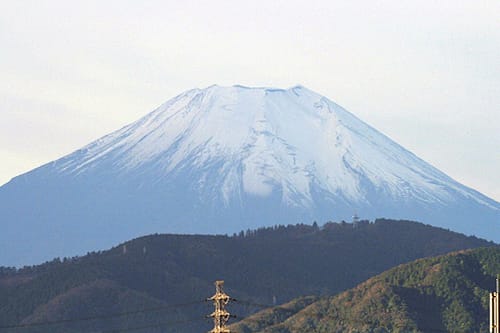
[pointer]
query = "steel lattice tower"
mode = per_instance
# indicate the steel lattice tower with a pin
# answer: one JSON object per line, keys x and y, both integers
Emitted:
{"x": 220, "y": 315}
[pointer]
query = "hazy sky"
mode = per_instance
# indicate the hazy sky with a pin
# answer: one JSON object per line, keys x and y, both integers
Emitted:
{"x": 425, "y": 73}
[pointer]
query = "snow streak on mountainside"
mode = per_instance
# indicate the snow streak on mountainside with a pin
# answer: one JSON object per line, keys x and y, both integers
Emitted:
{"x": 222, "y": 159}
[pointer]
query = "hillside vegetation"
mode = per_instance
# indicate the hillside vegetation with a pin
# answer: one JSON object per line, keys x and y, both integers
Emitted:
{"x": 440, "y": 294}
{"x": 175, "y": 273}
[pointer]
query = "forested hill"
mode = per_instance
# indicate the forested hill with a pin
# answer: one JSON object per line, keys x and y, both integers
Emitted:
{"x": 440, "y": 294}
{"x": 159, "y": 271}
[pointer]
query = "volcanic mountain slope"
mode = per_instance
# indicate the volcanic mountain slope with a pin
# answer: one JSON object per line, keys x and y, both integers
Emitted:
{"x": 223, "y": 159}
{"x": 162, "y": 279}
{"x": 440, "y": 294}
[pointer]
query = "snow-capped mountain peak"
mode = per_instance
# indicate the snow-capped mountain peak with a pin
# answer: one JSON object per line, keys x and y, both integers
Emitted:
{"x": 263, "y": 139}
{"x": 223, "y": 159}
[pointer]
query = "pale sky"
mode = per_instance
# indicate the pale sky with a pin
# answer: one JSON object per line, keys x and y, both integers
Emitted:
{"x": 425, "y": 73}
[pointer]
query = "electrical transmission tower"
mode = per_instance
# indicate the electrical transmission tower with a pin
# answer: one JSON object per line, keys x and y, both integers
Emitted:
{"x": 220, "y": 315}
{"x": 495, "y": 309}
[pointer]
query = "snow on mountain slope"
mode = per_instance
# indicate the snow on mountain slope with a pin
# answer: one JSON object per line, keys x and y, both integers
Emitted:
{"x": 223, "y": 159}
{"x": 291, "y": 138}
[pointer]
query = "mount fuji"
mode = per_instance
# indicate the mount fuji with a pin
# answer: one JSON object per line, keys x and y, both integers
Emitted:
{"x": 224, "y": 159}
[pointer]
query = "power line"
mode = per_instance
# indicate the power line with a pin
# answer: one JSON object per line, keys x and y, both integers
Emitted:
{"x": 425, "y": 329}
{"x": 278, "y": 307}
{"x": 108, "y": 316}
{"x": 178, "y": 322}
{"x": 260, "y": 305}
{"x": 171, "y": 323}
